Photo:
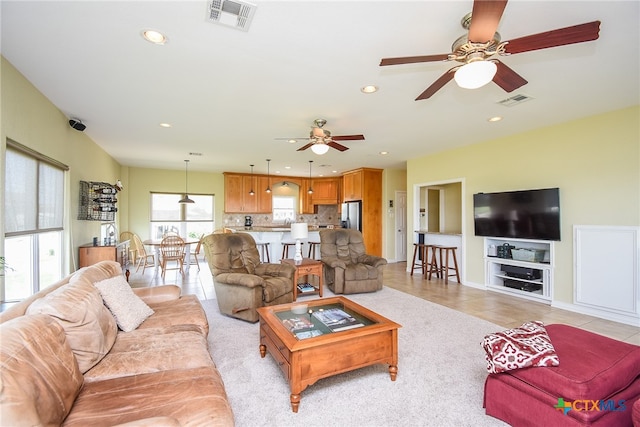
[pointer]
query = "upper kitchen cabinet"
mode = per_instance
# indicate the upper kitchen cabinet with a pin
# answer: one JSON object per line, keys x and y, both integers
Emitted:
{"x": 236, "y": 194}
{"x": 352, "y": 185}
{"x": 326, "y": 191}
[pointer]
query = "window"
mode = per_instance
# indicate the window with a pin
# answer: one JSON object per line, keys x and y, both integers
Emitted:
{"x": 34, "y": 212}
{"x": 284, "y": 208}
{"x": 189, "y": 219}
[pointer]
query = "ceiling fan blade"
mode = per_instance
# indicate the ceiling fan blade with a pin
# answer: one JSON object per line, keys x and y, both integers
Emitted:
{"x": 508, "y": 79}
{"x": 337, "y": 146}
{"x": 560, "y": 37}
{"x": 485, "y": 18}
{"x": 348, "y": 138}
{"x": 305, "y": 147}
{"x": 437, "y": 85}
{"x": 413, "y": 59}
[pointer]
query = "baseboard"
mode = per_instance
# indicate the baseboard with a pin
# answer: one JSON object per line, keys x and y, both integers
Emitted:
{"x": 602, "y": 314}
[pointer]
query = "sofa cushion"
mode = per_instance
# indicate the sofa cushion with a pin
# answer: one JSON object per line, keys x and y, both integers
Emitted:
{"x": 151, "y": 350}
{"x": 128, "y": 309}
{"x": 39, "y": 375}
{"x": 523, "y": 347}
{"x": 172, "y": 314}
{"x": 195, "y": 397}
{"x": 88, "y": 325}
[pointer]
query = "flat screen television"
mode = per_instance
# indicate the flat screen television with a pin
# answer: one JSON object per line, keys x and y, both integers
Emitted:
{"x": 525, "y": 214}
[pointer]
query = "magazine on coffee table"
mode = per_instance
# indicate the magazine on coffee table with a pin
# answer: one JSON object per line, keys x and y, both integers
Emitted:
{"x": 337, "y": 319}
{"x": 297, "y": 323}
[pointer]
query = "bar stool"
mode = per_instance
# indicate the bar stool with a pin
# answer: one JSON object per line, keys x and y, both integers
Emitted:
{"x": 444, "y": 263}
{"x": 285, "y": 248}
{"x": 263, "y": 248}
{"x": 421, "y": 250}
{"x": 312, "y": 249}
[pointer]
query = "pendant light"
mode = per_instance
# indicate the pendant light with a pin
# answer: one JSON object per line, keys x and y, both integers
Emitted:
{"x": 268, "y": 190}
{"x": 186, "y": 198}
{"x": 310, "y": 191}
{"x": 251, "y": 192}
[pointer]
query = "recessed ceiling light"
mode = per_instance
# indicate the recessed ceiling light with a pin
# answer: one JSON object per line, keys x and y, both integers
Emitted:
{"x": 369, "y": 89}
{"x": 384, "y": 153}
{"x": 287, "y": 167}
{"x": 165, "y": 125}
{"x": 292, "y": 141}
{"x": 494, "y": 119}
{"x": 154, "y": 36}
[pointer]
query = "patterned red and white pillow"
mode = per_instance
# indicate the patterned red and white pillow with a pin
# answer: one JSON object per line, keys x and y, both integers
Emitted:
{"x": 523, "y": 347}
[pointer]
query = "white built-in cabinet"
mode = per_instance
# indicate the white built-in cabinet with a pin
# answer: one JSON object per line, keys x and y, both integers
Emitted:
{"x": 531, "y": 279}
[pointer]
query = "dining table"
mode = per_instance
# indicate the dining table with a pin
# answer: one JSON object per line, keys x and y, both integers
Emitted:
{"x": 156, "y": 243}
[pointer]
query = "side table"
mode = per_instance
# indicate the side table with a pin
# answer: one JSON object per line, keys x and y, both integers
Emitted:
{"x": 307, "y": 267}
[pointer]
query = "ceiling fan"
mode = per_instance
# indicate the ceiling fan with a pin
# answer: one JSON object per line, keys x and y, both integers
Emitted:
{"x": 321, "y": 139}
{"x": 475, "y": 50}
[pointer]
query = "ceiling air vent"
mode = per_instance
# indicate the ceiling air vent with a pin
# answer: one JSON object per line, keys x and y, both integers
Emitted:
{"x": 514, "y": 100}
{"x": 235, "y": 14}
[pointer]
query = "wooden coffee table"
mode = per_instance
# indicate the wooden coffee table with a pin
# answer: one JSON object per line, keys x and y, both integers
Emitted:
{"x": 341, "y": 336}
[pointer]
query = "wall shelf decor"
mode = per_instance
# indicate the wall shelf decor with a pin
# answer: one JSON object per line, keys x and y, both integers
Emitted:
{"x": 97, "y": 201}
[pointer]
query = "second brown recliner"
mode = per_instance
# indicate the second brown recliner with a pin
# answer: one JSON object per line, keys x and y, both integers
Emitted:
{"x": 348, "y": 269}
{"x": 242, "y": 283}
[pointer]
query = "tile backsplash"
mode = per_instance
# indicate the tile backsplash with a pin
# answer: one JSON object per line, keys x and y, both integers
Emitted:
{"x": 327, "y": 215}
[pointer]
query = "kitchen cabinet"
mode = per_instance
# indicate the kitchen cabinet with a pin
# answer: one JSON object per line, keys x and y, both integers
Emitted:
{"x": 352, "y": 185}
{"x": 237, "y": 198}
{"x": 325, "y": 191}
{"x": 306, "y": 199}
{"x": 365, "y": 185}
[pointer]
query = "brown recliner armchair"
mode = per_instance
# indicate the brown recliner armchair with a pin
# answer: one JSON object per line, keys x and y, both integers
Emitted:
{"x": 241, "y": 282}
{"x": 347, "y": 268}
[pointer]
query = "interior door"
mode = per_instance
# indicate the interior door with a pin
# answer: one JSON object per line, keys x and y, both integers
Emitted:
{"x": 401, "y": 226}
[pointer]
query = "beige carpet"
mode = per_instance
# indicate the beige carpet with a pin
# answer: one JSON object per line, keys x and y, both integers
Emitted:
{"x": 441, "y": 372}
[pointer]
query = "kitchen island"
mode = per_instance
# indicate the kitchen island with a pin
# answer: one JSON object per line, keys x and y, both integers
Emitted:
{"x": 276, "y": 236}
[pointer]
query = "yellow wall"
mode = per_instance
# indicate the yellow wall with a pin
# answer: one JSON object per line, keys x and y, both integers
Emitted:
{"x": 594, "y": 161}
{"x": 32, "y": 120}
{"x": 141, "y": 182}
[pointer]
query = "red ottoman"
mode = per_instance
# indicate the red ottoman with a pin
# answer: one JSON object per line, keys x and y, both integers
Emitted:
{"x": 596, "y": 384}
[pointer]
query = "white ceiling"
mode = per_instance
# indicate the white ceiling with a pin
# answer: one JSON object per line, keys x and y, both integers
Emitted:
{"x": 229, "y": 94}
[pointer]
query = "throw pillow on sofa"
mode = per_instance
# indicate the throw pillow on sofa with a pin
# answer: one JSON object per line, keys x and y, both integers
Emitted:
{"x": 89, "y": 327}
{"x": 523, "y": 347}
{"x": 128, "y": 309}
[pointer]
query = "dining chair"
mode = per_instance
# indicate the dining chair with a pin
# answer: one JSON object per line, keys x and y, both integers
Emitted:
{"x": 172, "y": 249}
{"x": 144, "y": 259}
{"x": 133, "y": 251}
{"x": 193, "y": 255}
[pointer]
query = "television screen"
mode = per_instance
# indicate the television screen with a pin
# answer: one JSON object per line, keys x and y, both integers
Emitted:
{"x": 527, "y": 214}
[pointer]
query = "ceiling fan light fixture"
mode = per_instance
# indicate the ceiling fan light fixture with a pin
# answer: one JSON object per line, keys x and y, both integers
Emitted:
{"x": 475, "y": 74}
{"x": 319, "y": 148}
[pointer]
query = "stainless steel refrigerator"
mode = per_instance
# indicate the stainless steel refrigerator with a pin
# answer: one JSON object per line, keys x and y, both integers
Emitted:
{"x": 352, "y": 215}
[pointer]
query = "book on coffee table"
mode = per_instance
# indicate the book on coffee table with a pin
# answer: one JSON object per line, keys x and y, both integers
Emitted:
{"x": 337, "y": 319}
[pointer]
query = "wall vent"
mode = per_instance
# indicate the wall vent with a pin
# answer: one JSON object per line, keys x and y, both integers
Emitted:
{"x": 231, "y": 13}
{"x": 515, "y": 100}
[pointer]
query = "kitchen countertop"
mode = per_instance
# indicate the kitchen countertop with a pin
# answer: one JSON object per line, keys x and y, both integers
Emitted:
{"x": 275, "y": 228}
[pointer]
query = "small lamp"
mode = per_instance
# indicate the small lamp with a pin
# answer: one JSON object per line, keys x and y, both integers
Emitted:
{"x": 299, "y": 230}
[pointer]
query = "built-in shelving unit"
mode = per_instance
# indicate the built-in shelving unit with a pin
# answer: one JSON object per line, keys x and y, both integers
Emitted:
{"x": 530, "y": 276}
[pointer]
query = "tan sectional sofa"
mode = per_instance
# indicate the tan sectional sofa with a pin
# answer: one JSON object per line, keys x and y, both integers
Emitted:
{"x": 64, "y": 360}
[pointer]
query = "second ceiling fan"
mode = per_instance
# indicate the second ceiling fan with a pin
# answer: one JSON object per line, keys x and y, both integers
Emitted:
{"x": 475, "y": 50}
{"x": 320, "y": 140}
